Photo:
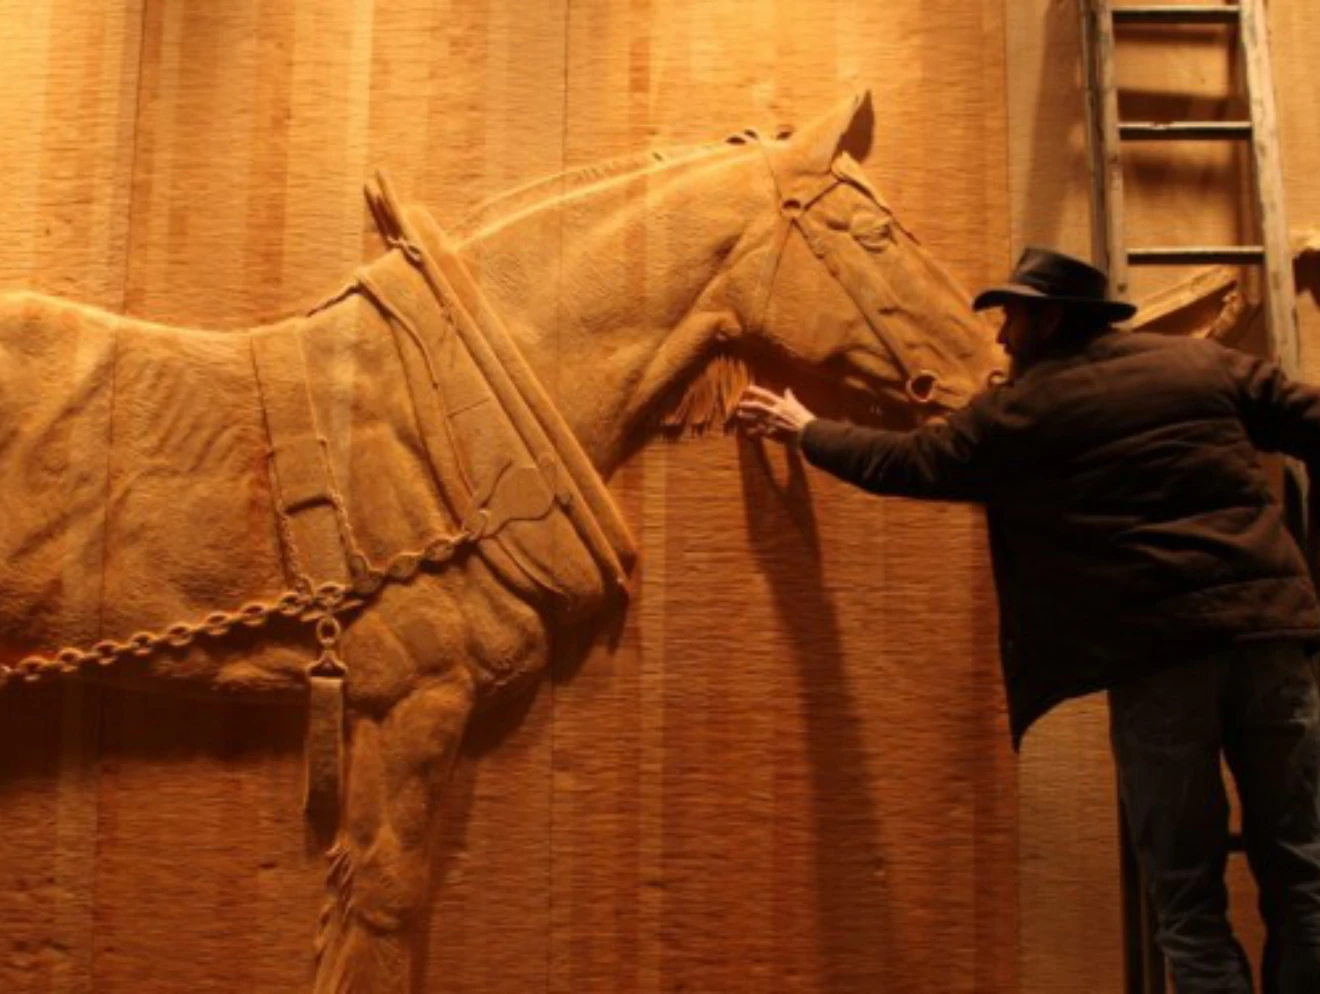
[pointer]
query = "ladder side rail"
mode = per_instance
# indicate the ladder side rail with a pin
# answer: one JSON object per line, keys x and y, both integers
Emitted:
{"x": 1103, "y": 141}
{"x": 1267, "y": 167}
{"x": 1280, "y": 287}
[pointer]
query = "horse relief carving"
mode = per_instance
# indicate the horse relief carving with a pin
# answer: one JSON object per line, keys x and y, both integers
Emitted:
{"x": 387, "y": 507}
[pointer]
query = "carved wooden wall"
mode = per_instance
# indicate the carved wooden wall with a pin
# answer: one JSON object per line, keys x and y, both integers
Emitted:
{"x": 792, "y": 772}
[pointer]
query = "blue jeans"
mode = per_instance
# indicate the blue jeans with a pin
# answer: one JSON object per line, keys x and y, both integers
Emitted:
{"x": 1257, "y": 704}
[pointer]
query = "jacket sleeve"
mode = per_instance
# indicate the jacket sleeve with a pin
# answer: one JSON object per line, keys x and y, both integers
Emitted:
{"x": 1280, "y": 414}
{"x": 949, "y": 460}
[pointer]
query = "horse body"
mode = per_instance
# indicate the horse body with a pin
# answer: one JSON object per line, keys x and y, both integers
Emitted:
{"x": 140, "y": 457}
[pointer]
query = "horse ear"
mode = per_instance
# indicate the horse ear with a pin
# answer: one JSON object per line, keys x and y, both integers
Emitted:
{"x": 849, "y": 127}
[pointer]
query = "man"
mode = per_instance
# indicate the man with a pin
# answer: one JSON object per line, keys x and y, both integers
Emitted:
{"x": 1138, "y": 548}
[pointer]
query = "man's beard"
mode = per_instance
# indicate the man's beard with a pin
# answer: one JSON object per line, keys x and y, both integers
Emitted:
{"x": 1024, "y": 357}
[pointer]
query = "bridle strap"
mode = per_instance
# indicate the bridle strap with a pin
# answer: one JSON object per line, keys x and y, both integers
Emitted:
{"x": 862, "y": 300}
{"x": 793, "y": 211}
{"x": 769, "y": 275}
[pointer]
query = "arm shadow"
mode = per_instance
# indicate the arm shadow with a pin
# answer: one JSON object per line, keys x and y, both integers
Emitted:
{"x": 853, "y": 903}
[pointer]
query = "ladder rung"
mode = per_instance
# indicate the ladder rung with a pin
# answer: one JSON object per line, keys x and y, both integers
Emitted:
{"x": 1184, "y": 130}
{"x": 1168, "y": 13}
{"x": 1226, "y": 254}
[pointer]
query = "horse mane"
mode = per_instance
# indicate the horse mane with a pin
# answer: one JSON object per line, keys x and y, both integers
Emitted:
{"x": 705, "y": 402}
{"x": 521, "y": 198}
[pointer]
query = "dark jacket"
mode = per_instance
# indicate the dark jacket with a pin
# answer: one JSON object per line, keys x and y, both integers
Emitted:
{"x": 1131, "y": 522}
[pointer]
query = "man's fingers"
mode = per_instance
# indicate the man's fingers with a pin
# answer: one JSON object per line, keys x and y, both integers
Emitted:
{"x": 754, "y": 392}
{"x": 754, "y": 409}
{"x": 762, "y": 413}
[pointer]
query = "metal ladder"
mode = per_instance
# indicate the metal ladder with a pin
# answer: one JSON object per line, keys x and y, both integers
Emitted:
{"x": 1102, "y": 21}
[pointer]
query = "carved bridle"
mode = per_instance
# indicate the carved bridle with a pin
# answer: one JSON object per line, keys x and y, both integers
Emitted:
{"x": 795, "y": 214}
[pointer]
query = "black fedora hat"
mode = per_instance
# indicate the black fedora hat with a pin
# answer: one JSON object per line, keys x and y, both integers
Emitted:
{"x": 1042, "y": 274}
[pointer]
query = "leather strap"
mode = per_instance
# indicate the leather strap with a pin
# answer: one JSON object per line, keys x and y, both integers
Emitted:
{"x": 305, "y": 487}
{"x": 584, "y": 497}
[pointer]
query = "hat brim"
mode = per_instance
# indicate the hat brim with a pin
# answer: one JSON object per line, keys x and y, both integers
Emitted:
{"x": 998, "y": 296}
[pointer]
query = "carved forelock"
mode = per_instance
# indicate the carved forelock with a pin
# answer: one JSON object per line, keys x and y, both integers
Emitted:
{"x": 707, "y": 400}
{"x": 525, "y": 197}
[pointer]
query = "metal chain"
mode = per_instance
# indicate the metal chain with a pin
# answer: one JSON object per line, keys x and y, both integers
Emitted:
{"x": 320, "y": 606}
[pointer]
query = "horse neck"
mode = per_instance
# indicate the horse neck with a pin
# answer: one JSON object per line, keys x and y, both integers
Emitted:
{"x": 616, "y": 291}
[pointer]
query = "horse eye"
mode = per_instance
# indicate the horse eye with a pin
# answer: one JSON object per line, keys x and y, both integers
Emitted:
{"x": 872, "y": 232}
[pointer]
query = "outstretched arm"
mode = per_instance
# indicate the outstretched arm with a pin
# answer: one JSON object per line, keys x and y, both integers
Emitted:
{"x": 944, "y": 461}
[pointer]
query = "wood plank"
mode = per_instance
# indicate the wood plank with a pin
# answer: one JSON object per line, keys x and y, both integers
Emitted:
{"x": 1196, "y": 289}
{"x": 66, "y": 125}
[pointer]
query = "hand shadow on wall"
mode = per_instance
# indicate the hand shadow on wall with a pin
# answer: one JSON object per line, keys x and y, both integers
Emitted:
{"x": 858, "y": 949}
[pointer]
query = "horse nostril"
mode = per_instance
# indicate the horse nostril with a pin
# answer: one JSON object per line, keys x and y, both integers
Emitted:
{"x": 921, "y": 386}
{"x": 995, "y": 377}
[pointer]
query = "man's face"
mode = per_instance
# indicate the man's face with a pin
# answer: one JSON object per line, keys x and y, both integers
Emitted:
{"x": 1028, "y": 326}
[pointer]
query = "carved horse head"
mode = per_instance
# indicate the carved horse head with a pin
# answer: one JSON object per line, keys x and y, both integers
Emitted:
{"x": 888, "y": 321}
{"x": 642, "y": 290}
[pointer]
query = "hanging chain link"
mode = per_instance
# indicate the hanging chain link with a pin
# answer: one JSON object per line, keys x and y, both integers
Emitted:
{"x": 320, "y": 606}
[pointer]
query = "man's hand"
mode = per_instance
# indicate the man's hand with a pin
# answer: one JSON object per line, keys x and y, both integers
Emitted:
{"x": 763, "y": 413}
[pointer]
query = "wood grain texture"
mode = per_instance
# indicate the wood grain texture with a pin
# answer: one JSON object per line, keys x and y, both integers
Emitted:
{"x": 790, "y": 772}
{"x": 66, "y": 142}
